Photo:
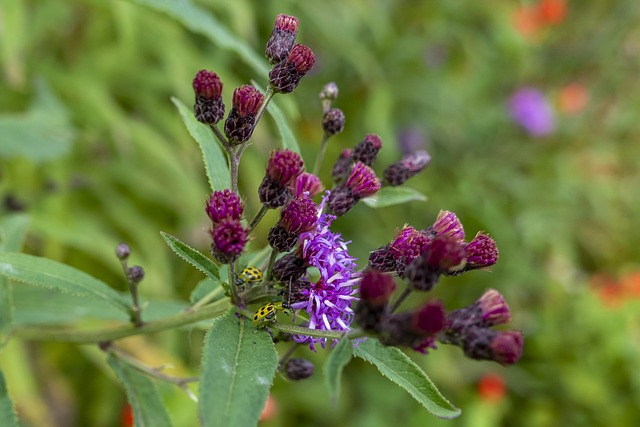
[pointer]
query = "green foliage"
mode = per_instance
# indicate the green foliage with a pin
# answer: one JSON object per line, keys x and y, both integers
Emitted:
{"x": 340, "y": 356}
{"x": 389, "y": 196}
{"x": 7, "y": 411}
{"x": 193, "y": 257}
{"x": 238, "y": 366}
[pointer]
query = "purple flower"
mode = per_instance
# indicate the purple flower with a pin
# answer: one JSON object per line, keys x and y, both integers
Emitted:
{"x": 530, "y": 109}
{"x": 328, "y": 300}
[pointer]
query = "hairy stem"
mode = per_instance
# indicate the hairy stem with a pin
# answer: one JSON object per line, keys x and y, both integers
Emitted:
{"x": 405, "y": 293}
{"x": 256, "y": 219}
{"x": 207, "y": 298}
{"x": 321, "y": 153}
{"x": 267, "y": 98}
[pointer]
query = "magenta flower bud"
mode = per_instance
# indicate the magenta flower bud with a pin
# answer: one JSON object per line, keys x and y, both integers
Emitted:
{"x": 240, "y": 122}
{"x": 363, "y": 181}
{"x": 431, "y": 318}
{"x": 283, "y": 36}
{"x": 410, "y": 165}
{"x": 229, "y": 240}
{"x": 376, "y": 287}
{"x": 285, "y": 76}
{"x": 448, "y": 224}
{"x": 342, "y": 167}
{"x": 367, "y": 150}
{"x": 333, "y": 121}
{"x": 208, "y": 107}
{"x": 445, "y": 253}
{"x": 298, "y": 369}
{"x": 306, "y": 183}
{"x": 416, "y": 329}
{"x": 493, "y": 309}
{"x": 299, "y": 216}
{"x": 283, "y": 168}
{"x": 224, "y": 204}
{"x": 481, "y": 252}
{"x": 504, "y": 347}
{"x": 289, "y": 268}
{"x": 382, "y": 259}
{"x": 408, "y": 244}
{"x": 329, "y": 92}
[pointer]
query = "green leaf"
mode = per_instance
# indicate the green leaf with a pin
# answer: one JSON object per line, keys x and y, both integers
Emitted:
{"x": 13, "y": 230}
{"x": 389, "y": 196}
{"x": 287, "y": 138}
{"x": 44, "y": 132}
{"x": 147, "y": 405}
{"x": 395, "y": 365}
{"x": 200, "y": 21}
{"x": 61, "y": 277}
{"x": 215, "y": 161}
{"x": 339, "y": 357}
{"x": 7, "y": 411}
{"x": 203, "y": 288}
{"x": 238, "y": 366}
{"x": 193, "y": 257}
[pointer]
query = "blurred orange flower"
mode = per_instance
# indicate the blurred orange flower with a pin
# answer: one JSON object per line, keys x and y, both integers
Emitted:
{"x": 552, "y": 11}
{"x": 613, "y": 292}
{"x": 270, "y": 409}
{"x": 526, "y": 20}
{"x": 492, "y": 388}
{"x": 573, "y": 98}
{"x": 126, "y": 416}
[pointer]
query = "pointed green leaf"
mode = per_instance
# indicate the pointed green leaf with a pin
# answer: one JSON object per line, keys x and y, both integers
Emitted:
{"x": 238, "y": 366}
{"x": 389, "y": 196}
{"x": 199, "y": 20}
{"x": 193, "y": 257}
{"x": 395, "y": 365}
{"x": 7, "y": 411}
{"x": 287, "y": 138}
{"x": 215, "y": 161}
{"x": 339, "y": 357}
{"x": 42, "y": 133}
{"x": 61, "y": 277}
{"x": 147, "y": 405}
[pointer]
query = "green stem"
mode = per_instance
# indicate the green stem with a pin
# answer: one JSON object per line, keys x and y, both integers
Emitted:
{"x": 268, "y": 96}
{"x": 118, "y": 332}
{"x": 256, "y": 219}
{"x": 223, "y": 139}
{"x": 399, "y": 300}
{"x": 206, "y": 299}
{"x": 321, "y": 153}
{"x": 272, "y": 259}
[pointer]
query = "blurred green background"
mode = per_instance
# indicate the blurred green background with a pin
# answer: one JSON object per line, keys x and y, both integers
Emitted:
{"x": 88, "y": 83}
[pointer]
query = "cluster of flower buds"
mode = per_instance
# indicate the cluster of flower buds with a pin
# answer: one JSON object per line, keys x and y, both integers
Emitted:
{"x": 299, "y": 216}
{"x": 420, "y": 257}
{"x": 283, "y": 169}
{"x": 225, "y": 210}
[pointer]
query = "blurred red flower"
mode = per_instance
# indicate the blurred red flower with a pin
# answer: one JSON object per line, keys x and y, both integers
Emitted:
{"x": 126, "y": 416}
{"x": 573, "y": 98}
{"x": 492, "y": 388}
{"x": 552, "y": 11}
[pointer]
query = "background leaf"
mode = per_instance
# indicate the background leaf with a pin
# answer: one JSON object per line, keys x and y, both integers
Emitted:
{"x": 395, "y": 365}
{"x": 389, "y": 196}
{"x": 287, "y": 138}
{"x": 148, "y": 408}
{"x": 339, "y": 357}
{"x": 7, "y": 412}
{"x": 193, "y": 257}
{"x": 238, "y": 367}
{"x": 215, "y": 160}
{"x": 61, "y": 277}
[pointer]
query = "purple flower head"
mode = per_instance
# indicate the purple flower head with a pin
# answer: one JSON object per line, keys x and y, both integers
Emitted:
{"x": 410, "y": 165}
{"x": 284, "y": 166}
{"x": 531, "y": 110}
{"x": 306, "y": 183}
{"x": 299, "y": 216}
{"x": 329, "y": 92}
{"x": 376, "y": 287}
{"x": 504, "y": 347}
{"x": 207, "y": 84}
{"x": 247, "y": 100}
{"x": 481, "y": 252}
{"x": 333, "y": 121}
{"x": 241, "y": 119}
{"x": 328, "y": 300}
{"x": 285, "y": 76}
{"x": 445, "y": 253}
{"x": 448, "y": 224}
{"x": 411, "y": 140}
{"x": 431, "y": 318}
{"x": 283, "y": 36}
{"x": 229, "y": 239}
{"x": 408, "y": 244}
{"x": 209, "y": 107}
{"x": 224, "y": 204}
{"x": 363, "y": 181}
{"x": 493, "y": 308}
{"x": 382, "y": 259}
{"x": 367, "y": 150}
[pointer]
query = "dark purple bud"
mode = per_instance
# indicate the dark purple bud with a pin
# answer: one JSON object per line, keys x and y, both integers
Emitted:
{"x": 284, "y": 166}
{"x": 280, "y": 239}
{"x": 123, "y": 251}
{"x": 481, "y": 252}
{"x": 296, "y": 291}
{"x": 298, "y": 369}
{"x": 367, "y": 150}
{"x": 493, "y": 309}
{"x": 363, "y": 181}
{"x": 448, "y": 224}
{"x": 329, "y": 92}
{"x": 342, "y": 167}
{"x": 299, "y": 216}
{"x": 416, "y": 329}
{"x": 419, "y": 275}
{"x": 272, "y": 194}
{"x": 229, "y": 240}
{"x": 341, "y": 200}
{"x": 445, "y": 253}
{"x": 240, "y": 122}
{"x": 285, "y": 76}
{"x": 382, "y": 259}
{"x": 306, "y": 183}
{"x": 135, "y": 274}
{"x": 504, "y": 347}
{"x": 431, "y": 318}
{"x": 283, "y": 36}
{"x": 410, "y": 165}
{"x": 376, "y": 287}
{"x": 208, "y": 107}
{"x": 224, "y": 204}
{"x": 333, "y": 121}
{"x": 407, "y": 245}
{"x": 289, "y": 268}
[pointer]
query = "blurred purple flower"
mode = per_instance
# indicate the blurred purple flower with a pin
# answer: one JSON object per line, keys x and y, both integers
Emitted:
{"x": 531, "y": 110}
{"x": 329, "y": 299}
{"x": 412, "y": 139}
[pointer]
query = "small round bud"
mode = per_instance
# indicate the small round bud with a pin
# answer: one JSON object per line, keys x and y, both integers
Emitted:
{"x": 448, "y": 224}
{"x": 240, "y": 122}
{"x": 329, "y": 92}
{"x": 224, "y": 204}
{"x": 135, "y": 274}
{"x": 285, "y": 76}
{"x": 289, "y": 268}
{"x": 298, "y": 369}
{"x": 299, "y": 216}
{"x": 410, "y": 165}
{"x": 123, "y": 251}
{"x": 208, "y": 108}
{"x": 333, "y": 121}
{"x": 504, "y": 347}
{"x": 282, "y": 38}
{"x": 284, "y": 166}
{"x": 382, "y": 259}
{"x": 363, "y": 181}
{"x": 229, "y": 240}
{"x": 367, "y": 150}
{"x": 481, "y": 252}
{"x": 376, "y": 287}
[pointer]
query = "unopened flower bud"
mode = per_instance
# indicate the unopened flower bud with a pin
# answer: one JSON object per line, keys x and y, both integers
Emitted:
{"x": 481, "y": 252}
{"x": 408, "y": 244}
{"x": 329, "y": 92}
{"x": 123, "y": 251}
{"x": 448, "y": 224}
{"x": 445, "y": 253}
{"x": 375, "y": 290}
{"x": 240, "y": 122}
{"x": 416, "y": 329}
{"x": 283, "y": 168}
{"x": 504, "y": 347}
{"x": 135, "y": 274}
{"x": 306, "y": 183}
{"x": 342, "y": 167}
{"x": 229, "y": 240}
{"x": 333, "y": 121}
{"x": 208, "y": 107}
{"x": 299, "y": 216}
{"x": 285, "y": 76}
{"x": 367, "y": 150}
{"x": 224, "y": 204}
{"x": 283, "y": 37}
{"x": 298, "y": 369}
{"x": 363, "y": 181}
{"x": 382, "y": 259}
{"x": 289, "y": 268}
{"x": 410, "y": 165}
